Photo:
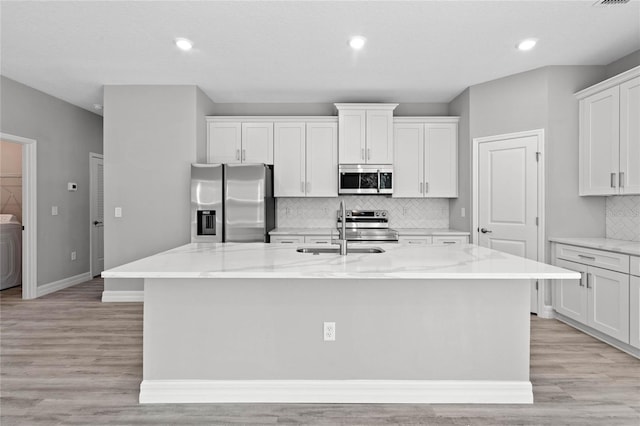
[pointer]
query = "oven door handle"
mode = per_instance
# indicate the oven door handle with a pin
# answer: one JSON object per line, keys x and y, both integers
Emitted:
{"x": 379, "y": 181}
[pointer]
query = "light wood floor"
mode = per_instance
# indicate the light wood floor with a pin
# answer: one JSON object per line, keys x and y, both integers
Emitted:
{"x": 67, "y": 358}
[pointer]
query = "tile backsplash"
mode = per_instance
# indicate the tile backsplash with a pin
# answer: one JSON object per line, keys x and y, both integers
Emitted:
{"x": 623, "y": 217}
{"x": 403, "y": 212}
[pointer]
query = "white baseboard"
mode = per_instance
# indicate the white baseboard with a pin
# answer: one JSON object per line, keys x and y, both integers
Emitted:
{"x": 123, "y": 296}
{"x": 41, "y": 290}
{"x": 336, "y": 391}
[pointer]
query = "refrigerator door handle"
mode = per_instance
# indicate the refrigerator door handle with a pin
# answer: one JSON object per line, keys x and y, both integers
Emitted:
{"x": 237, "y": 154}
{"x": 244, "y": 154}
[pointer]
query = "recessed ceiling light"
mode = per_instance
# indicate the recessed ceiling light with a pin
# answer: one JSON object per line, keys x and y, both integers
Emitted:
{"x": 184, "y": 44}
{"x": 97, "y": 107}
{"x": 527, "y": 44}
{"x": 357, "y": 42}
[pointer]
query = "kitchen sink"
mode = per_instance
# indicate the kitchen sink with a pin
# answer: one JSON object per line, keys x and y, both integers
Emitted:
{"x": 336, "y": 250}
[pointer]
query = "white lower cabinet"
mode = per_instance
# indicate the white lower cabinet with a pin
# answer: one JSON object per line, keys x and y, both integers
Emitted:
{"x": 287, "y": 239}
{"x": 605, "y": 300}
{"x": 457, "y": 239}
{"x": 415, "y": 239}
{"x": 634, "y": 311}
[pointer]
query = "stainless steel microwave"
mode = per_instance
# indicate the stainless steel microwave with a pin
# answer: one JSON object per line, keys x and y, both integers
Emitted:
{"x": 365, "y": 179}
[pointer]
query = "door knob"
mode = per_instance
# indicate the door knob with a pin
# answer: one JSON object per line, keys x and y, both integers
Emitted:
{"x": 485, "y": 231}
{"x": 97, "y": 222}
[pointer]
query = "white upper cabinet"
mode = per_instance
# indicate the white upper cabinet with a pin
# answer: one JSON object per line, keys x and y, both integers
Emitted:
{"x": 426, "y": 157}
{"x": 610, "y": 136}
{"x": 365, "y": 133}
{"x": 224, "y": 142}
{"x": 322, "y": 160}
{"x": 289, "y": 160}
{"x": 236, "y": 141}
{"x": 306, "y": 159}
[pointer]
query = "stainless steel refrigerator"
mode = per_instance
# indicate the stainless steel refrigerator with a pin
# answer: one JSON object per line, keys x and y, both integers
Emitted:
{"x": 231, "y": 203}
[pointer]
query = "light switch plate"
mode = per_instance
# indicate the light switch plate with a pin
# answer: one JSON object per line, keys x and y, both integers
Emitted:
{"x": 118, "y": 212}
{"x": 72, "y": 186}
{"x": 54, "y": 210}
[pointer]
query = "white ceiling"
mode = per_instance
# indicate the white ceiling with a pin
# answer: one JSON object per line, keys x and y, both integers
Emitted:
{"x": 296, "y": 51}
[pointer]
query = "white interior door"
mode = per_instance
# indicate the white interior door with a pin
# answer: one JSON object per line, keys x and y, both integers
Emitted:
{"x": 508, "y": 198}
{"x": 97, "y": 214}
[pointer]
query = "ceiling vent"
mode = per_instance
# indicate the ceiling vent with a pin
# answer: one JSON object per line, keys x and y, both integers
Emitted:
{"x": 610, "y": 2}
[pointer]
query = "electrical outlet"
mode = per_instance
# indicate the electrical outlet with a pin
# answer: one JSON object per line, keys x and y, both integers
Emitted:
{"x": 404, "y": 211}
{"x": 329, "y": 331}
{"x": 54, "y": 210}
{"x": 73, "y": 255}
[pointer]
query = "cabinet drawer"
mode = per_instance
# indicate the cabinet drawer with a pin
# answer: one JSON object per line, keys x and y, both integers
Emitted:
{"x": 459, "y": 239}
{"x": 287, "y": 239}
{"x": 415, "y": 240}
{"x": 634, "y": 265}
{"x": 317, "y": 240}
{"x": 602, "y": 259}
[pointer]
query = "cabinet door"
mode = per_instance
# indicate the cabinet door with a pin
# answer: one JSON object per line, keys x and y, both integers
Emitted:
{"x": 257, "y": 143}
{"x": 570, "y": 296}
{"x": 599, "y": 143}
{"x": 352, "y": 128}
{"x": 322, "y": 160}
{"x": 408, "y": 163}
{"x": 379, "y": 149}
{"x": 630, "y": 137}
{"x": 634, "y": 312}
{"x": 289, "y": 160}
{"x": 224, "y": 142}
{"x": 608, "y": 302}
{"x": 441, "y": 160}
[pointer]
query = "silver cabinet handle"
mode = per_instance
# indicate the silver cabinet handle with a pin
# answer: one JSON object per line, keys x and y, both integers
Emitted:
{"x": 587, "y": 257}
{"x": 244, "y": 154}
{"x": 421, "y": 187}
{"x": 237, "y": 154}
{"x": 426, "y": 187}
{"x": 308, "y": 187}
{"x": 588, "y": 280}
{"x": 362, "y": 153}
{"x": 485, "y": 231}
{"x": 582, "y": 277}
{"x": 302, "y": 187}
{"x": 368, "y": 153}
{"x": 448, "y": 242}
{"x": 613, "y": 180}
{"x": 621, "y": 183}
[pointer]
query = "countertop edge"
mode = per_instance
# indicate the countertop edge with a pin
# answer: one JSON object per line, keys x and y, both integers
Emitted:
{"x": 600, "y": 243}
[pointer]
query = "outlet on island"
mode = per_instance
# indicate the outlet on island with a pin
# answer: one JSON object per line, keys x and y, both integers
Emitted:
{"x": 73, "y": 255}
{"x": 329, "y": 331}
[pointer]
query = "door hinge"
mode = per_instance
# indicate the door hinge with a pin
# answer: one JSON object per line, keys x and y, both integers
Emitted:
{"x": 537, "y": 221}
{"x": 23, "y": 228}
{"x": 538, "y": 154}
{"x": 536, "y": 285}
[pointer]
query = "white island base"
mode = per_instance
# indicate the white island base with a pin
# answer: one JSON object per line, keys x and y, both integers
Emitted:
{"x": 212, "y": 340}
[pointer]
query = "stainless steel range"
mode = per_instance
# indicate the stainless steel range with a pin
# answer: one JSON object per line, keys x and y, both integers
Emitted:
{"x": 367, "y": 226}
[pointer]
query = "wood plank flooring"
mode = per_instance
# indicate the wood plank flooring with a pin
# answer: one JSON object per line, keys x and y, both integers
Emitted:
{"x": 68, "y": 359}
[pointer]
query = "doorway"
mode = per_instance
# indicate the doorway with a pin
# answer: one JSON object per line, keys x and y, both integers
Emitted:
{"x": 96, "y": 214}
{"x": 508, "y": 197}
{"x": 29, "y": 209}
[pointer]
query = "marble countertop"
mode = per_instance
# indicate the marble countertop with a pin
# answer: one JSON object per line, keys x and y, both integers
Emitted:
{"x": 258, "y": 260}
{"x": 620, "y": 246}
{"x": 401, "y": 231}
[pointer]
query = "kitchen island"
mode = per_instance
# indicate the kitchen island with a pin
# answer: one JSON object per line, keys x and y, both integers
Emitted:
{"x": 245, "y": 323}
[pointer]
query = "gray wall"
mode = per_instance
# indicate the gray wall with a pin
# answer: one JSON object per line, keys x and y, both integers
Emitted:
{"x": 65, "y": 136}
{"x": 151, "y": 136}
{"x": 568, "y": 214}
{"x": 460, "y": 107}
{"x": 405, "y": 109}
{"x": 538, "y": 99}
{"x": 623, "y": 64}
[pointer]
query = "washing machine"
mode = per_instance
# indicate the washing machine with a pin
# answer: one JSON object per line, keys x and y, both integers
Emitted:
{"x": 10, "y": 251}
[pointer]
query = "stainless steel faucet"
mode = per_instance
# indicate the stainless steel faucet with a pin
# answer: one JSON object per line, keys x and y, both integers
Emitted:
{"x": 342, "y": 240}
